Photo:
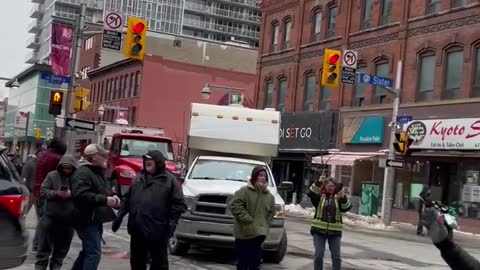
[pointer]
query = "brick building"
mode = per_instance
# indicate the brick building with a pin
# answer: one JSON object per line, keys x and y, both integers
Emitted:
{"x": 438, "y": 43}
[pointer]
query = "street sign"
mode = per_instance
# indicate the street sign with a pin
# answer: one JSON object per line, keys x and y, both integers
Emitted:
{"x": 80, "y": 124}
{"x": 112, "y": 31}
{"x": 349, "y": 75}
{"x": 113, "y": 21}
{"x": 393, "y": 163}
{"x": 54, "y": 79}
{"x": 349, "y": 59}
{"x": 404, "y": 119}
{"x": 112, "y": 40}
{"x": 349, "y": 67}
{"x": 376, "y": 80}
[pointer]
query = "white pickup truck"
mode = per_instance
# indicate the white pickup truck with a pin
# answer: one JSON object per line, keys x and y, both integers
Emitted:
{"x": 225, "y": 143}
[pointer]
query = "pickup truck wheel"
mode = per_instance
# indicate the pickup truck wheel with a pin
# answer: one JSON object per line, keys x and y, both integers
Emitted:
{"x": 277, "y": 255}
{"x": 178, "y": 248}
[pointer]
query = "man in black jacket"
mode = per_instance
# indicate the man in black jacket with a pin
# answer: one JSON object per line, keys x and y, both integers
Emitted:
{"x": 154, "y": 203}
{"x": 442, "y": 237}
{"x": 92, "y": 198}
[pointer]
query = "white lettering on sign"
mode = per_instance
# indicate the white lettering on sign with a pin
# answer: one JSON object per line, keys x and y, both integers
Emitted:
{"x": 370, "y": 139}
{"x": 293, "y": 133}
{"x": 463, "y": 134}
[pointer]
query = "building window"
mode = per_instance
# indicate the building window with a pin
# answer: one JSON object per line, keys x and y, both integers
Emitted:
{"x": 137, "y": 83}
{"x": 113, "y": 86}
{"x": 359, "y": 90}
{"x": 325, "y": 97}
{"x": 282, "y": 94}
{"x": 309, "y": 93}
{"x": 268, "y": 101}
{"x": 433, "y": 6}
{"x": 380, "y": 94}
{"x": 274, "y": 37}
{"x": 453, "y": 76}
{"x": 316, "y": 25}
{"x": 100, "y": 98}
{"x": 367, "y": 14}
{"x": 84, "y": 72}
{"x": 286, "y": 35}
{"x": 386, "y": 12}
{"x": 426, "y": 78}
{"x": 134, "y": 116}
{"x": 107, "y": 90}
{"x": 120, "y": 87}
{"x": 458, "y": 3}
{"x": 132, "y": 75}
{"x": 476, "y": 75}
{"x": 88, "y": 43}
{"x": 125, "y": 87}
{"x": 115, "y": 89}
{"x": 332, "y": 22}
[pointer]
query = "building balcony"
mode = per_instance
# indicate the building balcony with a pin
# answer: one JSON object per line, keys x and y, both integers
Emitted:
{"x": 35, "y": 27}
{"x": 38, "y": 1}
{"x": 217, "y": 28}
{"x": 242, "y": 3}
{"x": 36, "y": 12}
{"x": 33, "y": 42}
{"x": 93, "y": 4}
{"x": 32, "y": 58}
{"x": 222, "y": 13}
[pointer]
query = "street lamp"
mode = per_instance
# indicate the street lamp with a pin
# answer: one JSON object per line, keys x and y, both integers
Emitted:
{"x": 101, "y": 110}
{"x": 207, "y": 90}
{"x": 14, "y": 84}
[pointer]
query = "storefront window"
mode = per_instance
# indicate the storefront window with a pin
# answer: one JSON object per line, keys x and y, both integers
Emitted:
{"x": 409, "y": 184}
{"x": 467, "y": 191}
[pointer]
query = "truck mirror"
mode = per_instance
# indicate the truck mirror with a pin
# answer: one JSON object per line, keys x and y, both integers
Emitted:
{"x": 285, "y": 186}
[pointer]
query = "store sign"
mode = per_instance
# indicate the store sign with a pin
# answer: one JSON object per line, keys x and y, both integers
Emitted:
{"x": 363, "y": 130}
{"x": 445, "y": 134}
{"x": 307, "y": 131}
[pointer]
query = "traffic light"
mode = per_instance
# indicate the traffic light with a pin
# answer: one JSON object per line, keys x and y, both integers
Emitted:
{"x": 56, "y": 101}
{"x": 81, "y": 103}
{"x": 38, "y": 133}
{"x": 402, "y": 145}
{"x": 331, "y": 68}
{"x": 135, "y": 39}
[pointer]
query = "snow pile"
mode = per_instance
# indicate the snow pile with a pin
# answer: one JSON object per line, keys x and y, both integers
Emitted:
{"x": 298, "y": 211}
{"x": 373, "y": 222}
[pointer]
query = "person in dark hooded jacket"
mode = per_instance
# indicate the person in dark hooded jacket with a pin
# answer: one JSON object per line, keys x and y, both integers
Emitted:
{"x": 253, "y": 209}
{"x": 425, "y": 194}
{"x": 56, "y": 224}
{"x": 154, "y": 203}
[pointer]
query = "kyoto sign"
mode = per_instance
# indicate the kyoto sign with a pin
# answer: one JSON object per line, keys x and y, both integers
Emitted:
{"x": 445, "y": 134}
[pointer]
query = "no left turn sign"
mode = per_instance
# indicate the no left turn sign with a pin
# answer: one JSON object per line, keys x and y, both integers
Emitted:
{"x": 113, "y": 21}
{"x": 349, "y": 59}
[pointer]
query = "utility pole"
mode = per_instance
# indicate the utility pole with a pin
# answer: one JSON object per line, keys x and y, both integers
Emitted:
{"x": 74, "y": 67}
{"x": 389, "y": 178}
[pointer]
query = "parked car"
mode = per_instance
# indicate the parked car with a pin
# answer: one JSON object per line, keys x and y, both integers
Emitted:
{"x": 13, "y": 209}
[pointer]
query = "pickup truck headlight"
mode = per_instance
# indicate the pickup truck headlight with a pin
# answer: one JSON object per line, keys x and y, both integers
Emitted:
{"x": 128, "y": 174}
{"x": 189, "y": 201}
{"x": 279, "y": 211}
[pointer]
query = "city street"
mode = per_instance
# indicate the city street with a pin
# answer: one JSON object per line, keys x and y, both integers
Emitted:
{"x": 362, "y": 249}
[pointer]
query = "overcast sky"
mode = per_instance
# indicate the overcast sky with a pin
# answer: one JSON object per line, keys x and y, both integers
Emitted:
{"x": 14, "y": 33}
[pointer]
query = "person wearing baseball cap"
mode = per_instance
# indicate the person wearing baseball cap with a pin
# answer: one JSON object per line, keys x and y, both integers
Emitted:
{"x": 92, "y": 197}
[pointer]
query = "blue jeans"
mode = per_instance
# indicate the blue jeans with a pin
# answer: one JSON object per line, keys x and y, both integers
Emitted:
{"x": 334, "y": 243}
{"x": 89, "y": 257}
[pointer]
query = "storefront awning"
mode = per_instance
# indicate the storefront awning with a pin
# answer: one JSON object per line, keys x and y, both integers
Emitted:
{"x": 339, "y": 159}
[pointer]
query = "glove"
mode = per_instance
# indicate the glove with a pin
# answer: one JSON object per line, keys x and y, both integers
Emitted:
{"x": 437, "y": 229}
{"x": 171, "y": 229}
{"x": 116, "y": 224}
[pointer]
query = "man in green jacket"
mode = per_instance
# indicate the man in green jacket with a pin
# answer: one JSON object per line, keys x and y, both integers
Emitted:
{"x": 253, "y": 208}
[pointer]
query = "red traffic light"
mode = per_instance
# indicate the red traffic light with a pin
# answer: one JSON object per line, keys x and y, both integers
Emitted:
{"x": 138, "y": 28}
{"x": 333, "y": 59}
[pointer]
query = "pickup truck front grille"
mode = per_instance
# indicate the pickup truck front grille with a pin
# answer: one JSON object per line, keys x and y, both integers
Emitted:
{"x": 211, "y": 204}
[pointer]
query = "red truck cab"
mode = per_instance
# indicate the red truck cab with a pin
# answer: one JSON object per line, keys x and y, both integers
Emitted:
{"x": 125, "y": 160}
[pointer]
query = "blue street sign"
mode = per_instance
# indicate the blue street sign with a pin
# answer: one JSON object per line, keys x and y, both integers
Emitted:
{"x": 376, "y": 80}
{"x": 54, "y": 79}
{"x": 404, "y": 119}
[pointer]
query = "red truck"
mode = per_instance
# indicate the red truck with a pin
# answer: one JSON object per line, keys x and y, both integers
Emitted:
{"x": 127, "y": 146}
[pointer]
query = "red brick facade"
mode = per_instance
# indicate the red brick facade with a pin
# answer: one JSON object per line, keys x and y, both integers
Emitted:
{"x": 407, "y": 34}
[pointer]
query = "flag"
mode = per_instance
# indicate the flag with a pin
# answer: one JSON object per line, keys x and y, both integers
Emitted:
{"x": 61, "y": 49}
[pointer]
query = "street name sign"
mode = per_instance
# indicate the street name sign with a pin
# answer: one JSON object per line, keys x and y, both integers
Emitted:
{"x": 376, "y": 80}
{"x": 404, "y": 119}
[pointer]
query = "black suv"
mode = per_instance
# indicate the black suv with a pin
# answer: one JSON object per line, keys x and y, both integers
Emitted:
{"x": 13, "y": 211}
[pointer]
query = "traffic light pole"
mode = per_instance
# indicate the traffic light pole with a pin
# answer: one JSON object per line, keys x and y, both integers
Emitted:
{"x": 74, "y": 67}
{"x": 389, "y": 177}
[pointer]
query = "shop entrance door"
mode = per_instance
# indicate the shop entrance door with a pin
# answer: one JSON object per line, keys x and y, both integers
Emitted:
{"x": 444, "y": 181}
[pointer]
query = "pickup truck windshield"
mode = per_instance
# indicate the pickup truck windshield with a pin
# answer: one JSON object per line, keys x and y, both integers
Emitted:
{"x": 138, "y": 148}
{"x": 222, "y": 170}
